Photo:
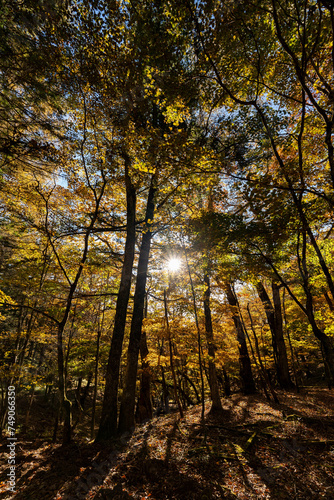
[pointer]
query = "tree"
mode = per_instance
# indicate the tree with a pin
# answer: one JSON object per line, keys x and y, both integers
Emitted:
{"x": 127, "y": 409}
{"x": 213, "y": 381}
{"x": 30, "y": 99}
{"x": 267, "y": 68}
{"x": 153, "y": 124}
{"x": 245, "y": 364}
{"x": 275, "y": 321}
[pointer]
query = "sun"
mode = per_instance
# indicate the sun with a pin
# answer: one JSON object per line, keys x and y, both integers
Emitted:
{"x": 174, "y": 264}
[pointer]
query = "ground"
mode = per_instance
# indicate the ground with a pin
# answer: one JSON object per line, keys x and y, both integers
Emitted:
{"x": 253, "y": 450}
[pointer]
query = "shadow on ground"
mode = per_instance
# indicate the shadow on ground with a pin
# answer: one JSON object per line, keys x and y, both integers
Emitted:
{"x": 254, "y": 449}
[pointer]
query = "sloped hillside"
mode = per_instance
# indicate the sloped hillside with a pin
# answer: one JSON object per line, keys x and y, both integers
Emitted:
{"x": 254, "y": 450}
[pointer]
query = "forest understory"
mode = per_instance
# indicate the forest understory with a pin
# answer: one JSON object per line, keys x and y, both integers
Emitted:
{"x": 255, "y": 449}
{"x": 166, "y": 235}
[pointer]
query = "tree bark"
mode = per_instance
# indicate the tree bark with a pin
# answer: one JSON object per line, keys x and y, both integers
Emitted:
{"x": 199, "y": 346}
{"x": 213, "y": 381}
{"x": 329, "y": 301}
{"x": 127, "y": 409}
{"x": 165, "y": 391}
{"x": 290, "y": 343}
{"x": 171, "y": 357}
{"x": 96, "y": 374}
{"x": 184, "y": 375}
{"x": 246, "y": 375}
{"x": 227, "y": 382}
{"x": 264, "y": 373}
{"x": 144, "y": 407}
{"x": 275, "y": 322}
{"x": 282, "y": 358}
{"x": 108, "y": 423}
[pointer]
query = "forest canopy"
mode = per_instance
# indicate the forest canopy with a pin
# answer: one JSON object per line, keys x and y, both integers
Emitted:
{"x": 167, "y": 195}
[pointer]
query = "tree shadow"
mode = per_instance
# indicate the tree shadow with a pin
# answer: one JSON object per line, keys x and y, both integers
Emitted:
{"x": 245, "y": 450}
{"x": 240, "y": 445}
{"x": 73, "y": 470}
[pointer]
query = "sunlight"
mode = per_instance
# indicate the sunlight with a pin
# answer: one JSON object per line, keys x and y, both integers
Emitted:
{"x": 174, "y": 264}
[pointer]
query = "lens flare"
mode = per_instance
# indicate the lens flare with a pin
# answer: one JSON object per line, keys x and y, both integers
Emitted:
{"x": 174, "y": 264}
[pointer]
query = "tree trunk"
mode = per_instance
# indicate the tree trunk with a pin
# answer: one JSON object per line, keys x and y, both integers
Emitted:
{"x": 21, "y": 355}
{"x": 274, "y": 318}
{"x": 127, "y": 409}
{"x": 327, "y": 345}
{"x": 329, "y": 301}
{"x": 96, "y": 375}
{"x": 282, "y": 358}
{"x": 246, "y": 375}
{"x": 165, "y": 391}
{"x": 55, "y": 425}
{"x": 108, "y": 423}
{"x": 290, "y": 343}
{"x": 199, "y": 346}
{"x": 214, "y": 388}
{"x": 171, "y": 357}
{"x": 78, "y": 392}
{"x": 264, "y": 373}
{"x": 309, "y": 309}
{"x": 84, "y": 395}
{"x": 65, "y": 403}
{"x": 227, "y": 383}
{"x": 188, "y": 379}
{"x": 144, "y": 407}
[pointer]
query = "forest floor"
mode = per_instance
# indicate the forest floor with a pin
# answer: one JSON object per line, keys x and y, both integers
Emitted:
{"x": 254, "y": 450}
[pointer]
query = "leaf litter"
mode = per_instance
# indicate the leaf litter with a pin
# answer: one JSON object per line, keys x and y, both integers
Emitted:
{"x": 254, "y": 449}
